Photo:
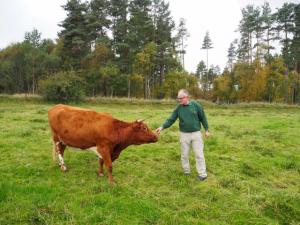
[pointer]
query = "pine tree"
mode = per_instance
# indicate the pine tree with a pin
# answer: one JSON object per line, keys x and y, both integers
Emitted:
{"x": 119, "y": 29}
{"x": 258, "y": 33}
{"x": 295, "y": 47}
{"x": 98, "y": 21}
{"x": 295, "y": 51}
{"x": 75, "y": 35}
{"x": 181, "y": 37}
{"x": 268, "y": 21}
{"x": 141, "y": 29}
{"x": 207, "y": 44}
{"x": 33, "y": 41}
{"x": 285, "y": 24}
{"x": 246, "y": 28}
{"x": 232, "y": 53}
{"x": 201, "y": 70}
{"x": 164, "y": 26}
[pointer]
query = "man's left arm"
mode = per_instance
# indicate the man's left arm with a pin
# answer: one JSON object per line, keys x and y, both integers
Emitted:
{"x": 202, "y": 118}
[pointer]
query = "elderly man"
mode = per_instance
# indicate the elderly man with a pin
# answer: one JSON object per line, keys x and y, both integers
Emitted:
{"x": 191, "y": 116}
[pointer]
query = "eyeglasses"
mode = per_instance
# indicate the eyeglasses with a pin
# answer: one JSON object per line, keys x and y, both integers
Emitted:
{"x": 180, "y": 98}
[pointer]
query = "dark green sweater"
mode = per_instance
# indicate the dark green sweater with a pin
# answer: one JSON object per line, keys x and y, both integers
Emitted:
{"x": 190, "y": 116}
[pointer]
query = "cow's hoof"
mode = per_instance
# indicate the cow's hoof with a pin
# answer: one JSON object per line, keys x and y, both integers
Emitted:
{"x": 63, "y": 168}
{"x": 112, "y": 183}
{"x": 100, "y": 174}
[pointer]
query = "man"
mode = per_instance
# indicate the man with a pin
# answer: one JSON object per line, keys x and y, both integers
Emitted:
{"x": 191, "y": 116}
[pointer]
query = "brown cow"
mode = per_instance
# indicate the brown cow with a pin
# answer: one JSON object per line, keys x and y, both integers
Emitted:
{"x": 84, "y": 129}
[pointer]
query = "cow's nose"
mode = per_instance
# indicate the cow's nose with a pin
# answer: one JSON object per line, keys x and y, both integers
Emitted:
{"x": 155, "y": 138}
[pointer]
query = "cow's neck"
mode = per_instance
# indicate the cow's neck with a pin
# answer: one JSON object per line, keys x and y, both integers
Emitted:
{"x": 124, "y": 133}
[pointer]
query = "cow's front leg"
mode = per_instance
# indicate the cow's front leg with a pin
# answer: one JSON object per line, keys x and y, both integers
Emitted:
{"x": 105, "y": 153}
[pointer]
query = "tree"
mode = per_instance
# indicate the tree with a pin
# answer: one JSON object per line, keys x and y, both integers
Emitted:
{"x": 295, "y": 52}
{"x": 268, "y": 20}
{"x": 51, "y": 62}
{"x": 295, "y": 46}
{"x": 94, "y": 62}
{"x": 144, "y": 65}
{"x": 164, "y": 25}
{"x": 181, "y": 37}
{"x": 201, "y": 70}
{"x": 258, "y": 33}
{"x": 63, "y": 86}
{"x": 141, "y": 29}
{"x": 285, "y": 24}
{"x": 120, "y": 40}
{"x": 109, "y": 76}
{"x": 7, "y": 84}
{"x": 275, "y": 81}
{"x": 207, "y": 44}
{"x": 231, "y": 55}
{"x": 177, "y": 80}
{"x": 212, "y": 74}
{"x": 75, "y": 34}
{"x": 222, "y": 88}
{"x": 33, "y": 41}
{"x": 98, "y": 21}
{"x": 250, "y": 26}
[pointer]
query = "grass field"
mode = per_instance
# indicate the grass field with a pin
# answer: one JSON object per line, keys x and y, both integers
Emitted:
{"x": 252, "y": 158}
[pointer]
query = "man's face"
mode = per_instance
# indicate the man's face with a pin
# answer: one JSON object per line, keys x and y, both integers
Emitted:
{"x": 183, "y": 99}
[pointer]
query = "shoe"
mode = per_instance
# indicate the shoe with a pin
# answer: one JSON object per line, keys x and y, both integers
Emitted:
{"x": 202, "y": 178}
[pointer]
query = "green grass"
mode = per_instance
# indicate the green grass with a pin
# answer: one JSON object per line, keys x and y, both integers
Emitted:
{"x": 252, "y": 158}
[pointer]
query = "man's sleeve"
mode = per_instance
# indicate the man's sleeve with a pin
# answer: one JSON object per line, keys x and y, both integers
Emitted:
{"x": 171, "y": 119}
{"x": 202, "y": 116}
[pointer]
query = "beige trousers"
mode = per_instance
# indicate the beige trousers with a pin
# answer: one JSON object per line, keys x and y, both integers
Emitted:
{"x": 194, "y": 139}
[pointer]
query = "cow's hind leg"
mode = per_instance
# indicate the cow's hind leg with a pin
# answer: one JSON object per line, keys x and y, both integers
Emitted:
{"x": 59, "y": 149}
{"x": 101, "y": 162}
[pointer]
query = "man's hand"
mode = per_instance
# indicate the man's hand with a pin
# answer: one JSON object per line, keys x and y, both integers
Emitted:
{"x": 158, "y": 130}
{"x": 207, "y": 133}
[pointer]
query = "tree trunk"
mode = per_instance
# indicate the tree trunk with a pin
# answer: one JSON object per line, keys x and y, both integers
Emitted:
{"x": 33, "y": 76}
{"x": 128, "y": 91}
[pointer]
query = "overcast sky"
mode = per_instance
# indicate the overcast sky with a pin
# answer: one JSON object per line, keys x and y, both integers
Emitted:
{"x": 219, "y": 17}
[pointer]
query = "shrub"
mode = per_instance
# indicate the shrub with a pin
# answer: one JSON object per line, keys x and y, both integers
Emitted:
{"x": 63, "y": 86}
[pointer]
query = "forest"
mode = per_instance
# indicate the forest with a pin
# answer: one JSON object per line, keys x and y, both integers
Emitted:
{"x": 132, "y": 48}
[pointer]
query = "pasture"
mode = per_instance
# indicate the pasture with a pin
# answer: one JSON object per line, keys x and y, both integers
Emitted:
{"x": 252, "y": 158}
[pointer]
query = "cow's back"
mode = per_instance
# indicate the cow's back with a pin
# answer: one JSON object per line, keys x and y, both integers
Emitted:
{"x": 77, "y": 127}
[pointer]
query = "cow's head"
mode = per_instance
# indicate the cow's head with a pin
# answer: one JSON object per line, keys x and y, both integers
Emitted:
{"x": 142, "y": 134}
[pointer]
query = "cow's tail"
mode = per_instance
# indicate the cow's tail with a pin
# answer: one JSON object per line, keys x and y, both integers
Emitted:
{"x": 54, "y": 153}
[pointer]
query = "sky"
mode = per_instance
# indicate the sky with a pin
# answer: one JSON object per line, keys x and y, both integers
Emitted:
{"x": 219, "y": 17}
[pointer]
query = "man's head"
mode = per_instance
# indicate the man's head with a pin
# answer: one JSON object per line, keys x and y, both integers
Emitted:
{"x": 183, "y": 97}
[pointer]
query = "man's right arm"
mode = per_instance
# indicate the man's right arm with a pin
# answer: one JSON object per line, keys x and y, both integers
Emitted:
{"x": 168, "y": 121}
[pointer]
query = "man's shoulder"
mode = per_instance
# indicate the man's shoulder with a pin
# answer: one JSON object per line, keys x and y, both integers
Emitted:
{"x": 194, "y": 102}
{"x": 177, "y": 107}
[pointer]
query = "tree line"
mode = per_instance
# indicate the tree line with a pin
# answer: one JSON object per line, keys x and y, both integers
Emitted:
{"x": 133, "y": 48}
{"x": 255, "y": 72}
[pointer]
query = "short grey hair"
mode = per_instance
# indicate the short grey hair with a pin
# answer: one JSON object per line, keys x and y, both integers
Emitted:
{"x": 183, "y": 92}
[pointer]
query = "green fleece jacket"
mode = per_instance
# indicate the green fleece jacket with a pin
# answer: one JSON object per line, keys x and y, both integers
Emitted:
{"x": 191, "y": 116}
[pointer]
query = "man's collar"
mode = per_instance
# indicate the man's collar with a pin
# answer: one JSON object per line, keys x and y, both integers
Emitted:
{"x": 188, "y": 103}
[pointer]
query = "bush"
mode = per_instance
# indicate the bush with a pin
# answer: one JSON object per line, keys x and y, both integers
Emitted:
{"x": 63, "y": 86}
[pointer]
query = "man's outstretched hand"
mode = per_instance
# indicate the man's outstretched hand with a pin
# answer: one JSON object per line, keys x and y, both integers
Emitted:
{"x": 158, "y": 130}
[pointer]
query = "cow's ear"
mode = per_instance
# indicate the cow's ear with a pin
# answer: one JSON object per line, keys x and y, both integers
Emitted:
{"x": 137, "y": 125}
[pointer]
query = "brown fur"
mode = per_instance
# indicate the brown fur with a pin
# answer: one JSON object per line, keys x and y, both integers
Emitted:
{"x": 83, "y": 128}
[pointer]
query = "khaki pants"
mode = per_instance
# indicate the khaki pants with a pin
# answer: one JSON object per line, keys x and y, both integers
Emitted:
{"x": 194, "y": 139}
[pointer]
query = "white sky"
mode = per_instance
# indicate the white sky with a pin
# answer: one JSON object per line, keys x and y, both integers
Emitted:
{"x": 219, "y": 17}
